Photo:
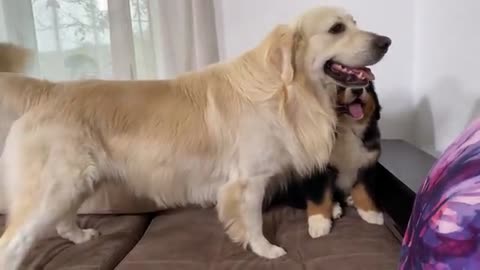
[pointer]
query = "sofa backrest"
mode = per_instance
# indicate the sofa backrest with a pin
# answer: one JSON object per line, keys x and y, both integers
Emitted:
{"x": 109, "y": 199}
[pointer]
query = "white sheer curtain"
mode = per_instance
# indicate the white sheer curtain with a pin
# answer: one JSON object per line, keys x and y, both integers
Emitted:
{"x": 122, "y": 39}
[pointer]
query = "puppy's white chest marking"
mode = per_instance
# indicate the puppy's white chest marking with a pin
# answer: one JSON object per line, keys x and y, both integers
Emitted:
{"x": 349, "y": 155}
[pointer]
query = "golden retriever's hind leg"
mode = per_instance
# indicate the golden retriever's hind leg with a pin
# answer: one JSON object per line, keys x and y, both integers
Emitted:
{"x": 60, "y": 188}
{"x": 82, "y": 187}
{"x": 68, "y": 229}
{"x": 365, "y": 205}
{"x": 18, "y": 238}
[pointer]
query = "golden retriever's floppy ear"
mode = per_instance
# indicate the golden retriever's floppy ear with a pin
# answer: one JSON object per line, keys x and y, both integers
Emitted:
{"x": 281, "y": 52}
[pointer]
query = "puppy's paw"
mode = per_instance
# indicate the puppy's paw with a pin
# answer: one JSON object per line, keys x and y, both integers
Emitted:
{"x": 267, "y": 250}
{"x": 337, "y": 211}
{"x": 319, "y": 226}
{"x": 372, "y": 217}
{"x": 349, "y": 201}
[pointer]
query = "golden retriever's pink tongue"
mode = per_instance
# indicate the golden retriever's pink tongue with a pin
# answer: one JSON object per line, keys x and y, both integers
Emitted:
{"x": 365, "y": 73}
{"x": 356, "y": 111}
{"x": 361, "y": 73}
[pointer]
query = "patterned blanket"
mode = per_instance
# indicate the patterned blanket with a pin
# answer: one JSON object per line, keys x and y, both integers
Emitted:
{"x": 444, "y": 229}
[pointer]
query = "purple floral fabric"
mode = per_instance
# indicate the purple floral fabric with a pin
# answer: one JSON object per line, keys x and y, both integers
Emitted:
{"x": 444, "y": 229}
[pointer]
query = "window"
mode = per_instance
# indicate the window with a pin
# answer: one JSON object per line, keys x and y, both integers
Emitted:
{"x": 73, "y": 38}
{"x": 121, "y": 39}
{"x": 143, "y": 39}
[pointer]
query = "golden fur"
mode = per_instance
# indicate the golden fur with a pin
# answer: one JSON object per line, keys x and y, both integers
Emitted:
{"x": 213, "y": 136}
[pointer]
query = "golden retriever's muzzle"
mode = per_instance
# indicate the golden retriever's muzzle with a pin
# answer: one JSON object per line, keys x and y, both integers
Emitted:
{"x": 350, "y": 71}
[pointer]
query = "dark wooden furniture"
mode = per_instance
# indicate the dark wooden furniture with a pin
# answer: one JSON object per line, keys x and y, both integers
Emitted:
{"x": 402, "y": 168}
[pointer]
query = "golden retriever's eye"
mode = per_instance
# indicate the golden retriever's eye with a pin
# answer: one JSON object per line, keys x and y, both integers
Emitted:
{"x": 337, "y": 28}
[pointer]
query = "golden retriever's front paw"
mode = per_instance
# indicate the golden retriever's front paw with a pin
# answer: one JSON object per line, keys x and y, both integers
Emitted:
{"x": 319, "y": 226}
{"x": 372, "y": 217}
{"x": 267, "y": 250}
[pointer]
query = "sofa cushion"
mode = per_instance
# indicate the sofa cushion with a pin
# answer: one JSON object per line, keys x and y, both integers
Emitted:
{"x": 194, "y": 239}
{"x": 119, "y": 235}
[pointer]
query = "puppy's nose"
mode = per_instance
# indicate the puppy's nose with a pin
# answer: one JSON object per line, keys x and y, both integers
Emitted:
{"x": 357, "y": 92}
{"x": 383, "y": 42}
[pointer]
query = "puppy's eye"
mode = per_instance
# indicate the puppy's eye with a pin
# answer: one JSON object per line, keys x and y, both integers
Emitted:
{"x": 337, "y": 28}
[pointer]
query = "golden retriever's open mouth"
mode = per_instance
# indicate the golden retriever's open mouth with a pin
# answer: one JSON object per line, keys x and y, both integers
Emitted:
{"x": 354, "y": 109}
{"x": 349, "y": 76}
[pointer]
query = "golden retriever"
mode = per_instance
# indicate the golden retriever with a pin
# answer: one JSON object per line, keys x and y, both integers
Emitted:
{"x": 217, "y": 135}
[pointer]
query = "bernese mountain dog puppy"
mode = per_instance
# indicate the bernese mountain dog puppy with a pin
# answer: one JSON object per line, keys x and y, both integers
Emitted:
{"x": 349, "y": 178}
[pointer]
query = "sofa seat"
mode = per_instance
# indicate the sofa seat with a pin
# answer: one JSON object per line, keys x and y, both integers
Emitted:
{"x": 119, "y": 236}
{"x": 193, "y": 239}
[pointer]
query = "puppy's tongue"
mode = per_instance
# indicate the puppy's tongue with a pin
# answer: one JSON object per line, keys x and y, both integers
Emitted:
{"x": 356, "y": 111}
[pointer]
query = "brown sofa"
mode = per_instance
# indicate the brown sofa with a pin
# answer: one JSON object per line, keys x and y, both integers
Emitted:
{"x": 193, "y": 239}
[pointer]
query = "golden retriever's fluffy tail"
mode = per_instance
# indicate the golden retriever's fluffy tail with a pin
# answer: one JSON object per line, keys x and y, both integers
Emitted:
{"x": 17, "y": 92}
{"x": 13, "y": 58}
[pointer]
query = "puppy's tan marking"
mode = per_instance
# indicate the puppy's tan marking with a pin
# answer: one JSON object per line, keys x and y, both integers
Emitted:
{"x": 320, "y": 215}
{"x": 361, "y": 199}
{"x": 324, "y": 208}
{"x": 369, "y": 109}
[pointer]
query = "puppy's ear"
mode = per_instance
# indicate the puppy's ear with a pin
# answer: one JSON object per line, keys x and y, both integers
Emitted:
{"x": 374, "y": 98}
{"x": 281, "y": 46}
{"x": 378, "y": 109}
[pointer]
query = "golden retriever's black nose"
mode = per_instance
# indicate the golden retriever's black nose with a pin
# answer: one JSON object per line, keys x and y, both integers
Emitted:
{"x": 382, "y": 42}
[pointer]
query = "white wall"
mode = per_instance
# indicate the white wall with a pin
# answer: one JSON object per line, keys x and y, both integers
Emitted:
{"x": 428, "y": 82}
{"x": 242, "y": 24}
{"x": 446, "y": 68}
